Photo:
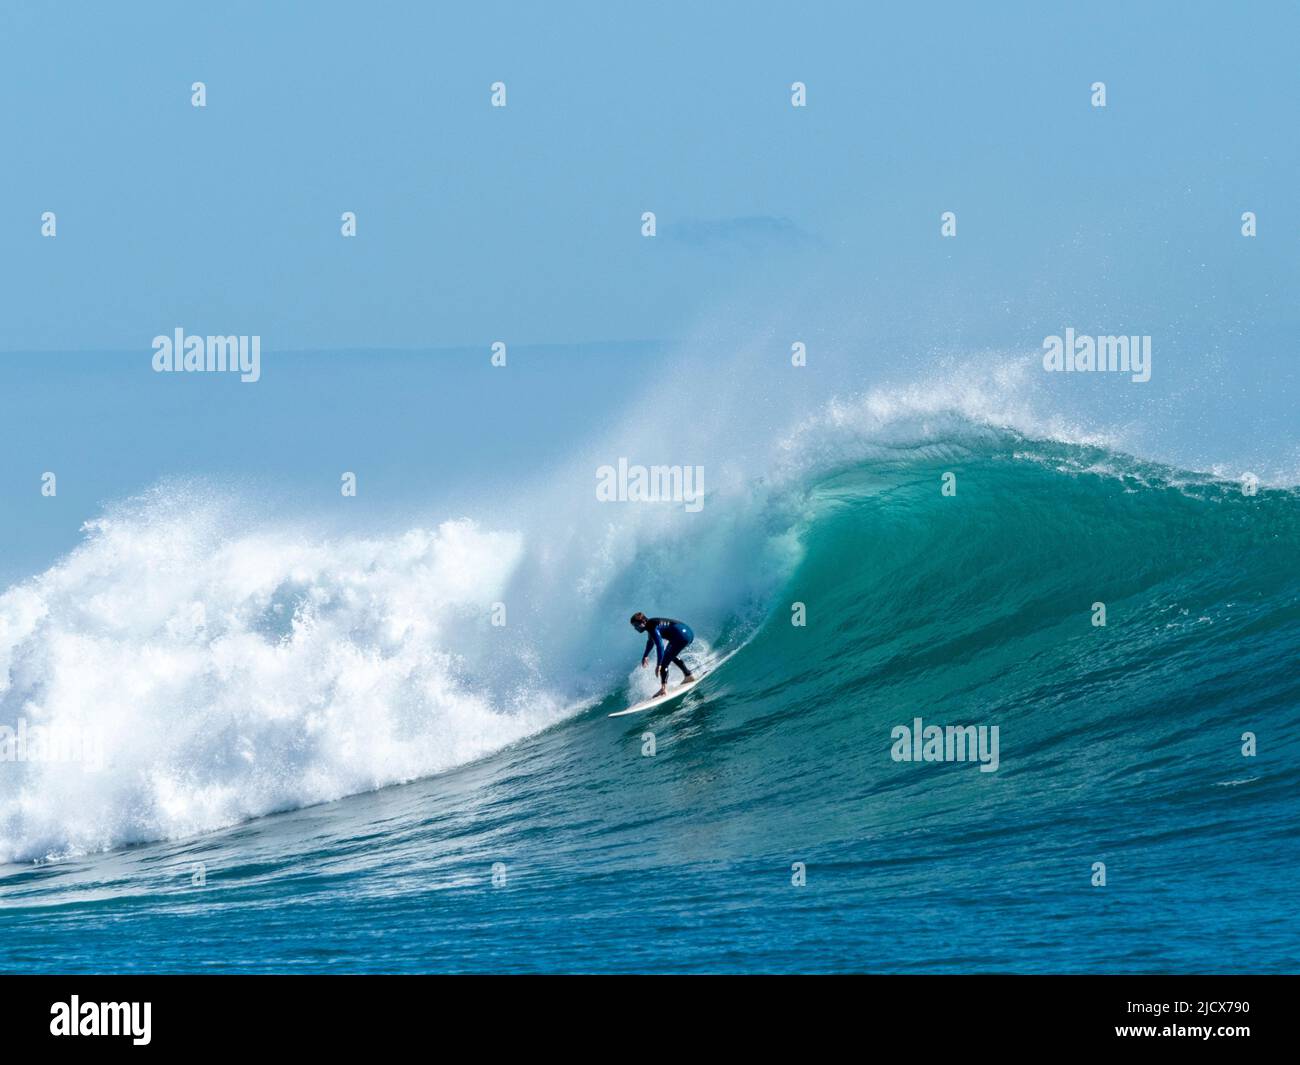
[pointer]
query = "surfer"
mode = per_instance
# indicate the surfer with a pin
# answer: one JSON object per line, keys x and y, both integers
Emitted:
{"x": 677, "y": 634}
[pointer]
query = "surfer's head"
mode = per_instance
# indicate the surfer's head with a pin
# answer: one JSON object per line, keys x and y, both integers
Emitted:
{"x": 638, "y": 621}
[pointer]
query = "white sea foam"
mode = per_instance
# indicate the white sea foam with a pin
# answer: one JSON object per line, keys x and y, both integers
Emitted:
{"x": 231, "y": 668}
{"x": 952, "y": 406}
{"x": 232, "y": 674}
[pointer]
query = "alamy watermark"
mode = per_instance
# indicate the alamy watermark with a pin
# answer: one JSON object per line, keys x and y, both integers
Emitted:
{"x": 77, "y": 1018}
{"x": 51, "y": 743}
{"x": 626, "y": 483}
{"x": 179, "y": 353}
{"x": 1079, "y": 353}
{"x": 946, "y": 743}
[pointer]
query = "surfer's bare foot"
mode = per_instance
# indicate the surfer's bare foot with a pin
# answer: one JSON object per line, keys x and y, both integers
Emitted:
{"x": 688, "y": 678}
{"x": 662, "y": 691}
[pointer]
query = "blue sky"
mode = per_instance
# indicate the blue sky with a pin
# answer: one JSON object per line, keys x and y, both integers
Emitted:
{"x": 523, "y": 223}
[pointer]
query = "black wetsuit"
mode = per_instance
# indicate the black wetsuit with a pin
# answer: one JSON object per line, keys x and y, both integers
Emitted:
{"x": 668, "y": 637}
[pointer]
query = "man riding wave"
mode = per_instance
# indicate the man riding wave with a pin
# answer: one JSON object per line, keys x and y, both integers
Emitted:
{"x": 668, "y": 637}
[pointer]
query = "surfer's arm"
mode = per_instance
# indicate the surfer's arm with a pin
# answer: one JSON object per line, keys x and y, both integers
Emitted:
{"x": 654, "y": 640}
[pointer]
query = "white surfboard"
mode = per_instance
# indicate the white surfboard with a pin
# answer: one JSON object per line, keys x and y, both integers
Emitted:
{"x": 659, "y": 700}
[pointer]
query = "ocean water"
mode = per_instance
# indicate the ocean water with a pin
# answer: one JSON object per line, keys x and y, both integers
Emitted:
{"x": 316, "y": 753}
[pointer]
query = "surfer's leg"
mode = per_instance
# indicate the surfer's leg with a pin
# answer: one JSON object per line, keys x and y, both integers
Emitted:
{"x": 661, "y": 671}
{"x": 673, "y": 653}
{"x": 682, "y": 635}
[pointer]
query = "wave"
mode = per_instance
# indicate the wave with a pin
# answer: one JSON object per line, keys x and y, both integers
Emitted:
{"x": 218, "y": 668}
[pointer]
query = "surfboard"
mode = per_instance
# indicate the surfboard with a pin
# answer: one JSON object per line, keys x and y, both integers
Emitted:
{"x": 660, "y": 700}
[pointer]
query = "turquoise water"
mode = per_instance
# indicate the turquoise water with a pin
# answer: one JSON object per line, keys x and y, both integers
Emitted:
{"x": 1119, "y": 744}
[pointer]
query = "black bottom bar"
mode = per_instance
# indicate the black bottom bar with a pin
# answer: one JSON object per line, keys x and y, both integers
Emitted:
{"x": 535, "y": 1014}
